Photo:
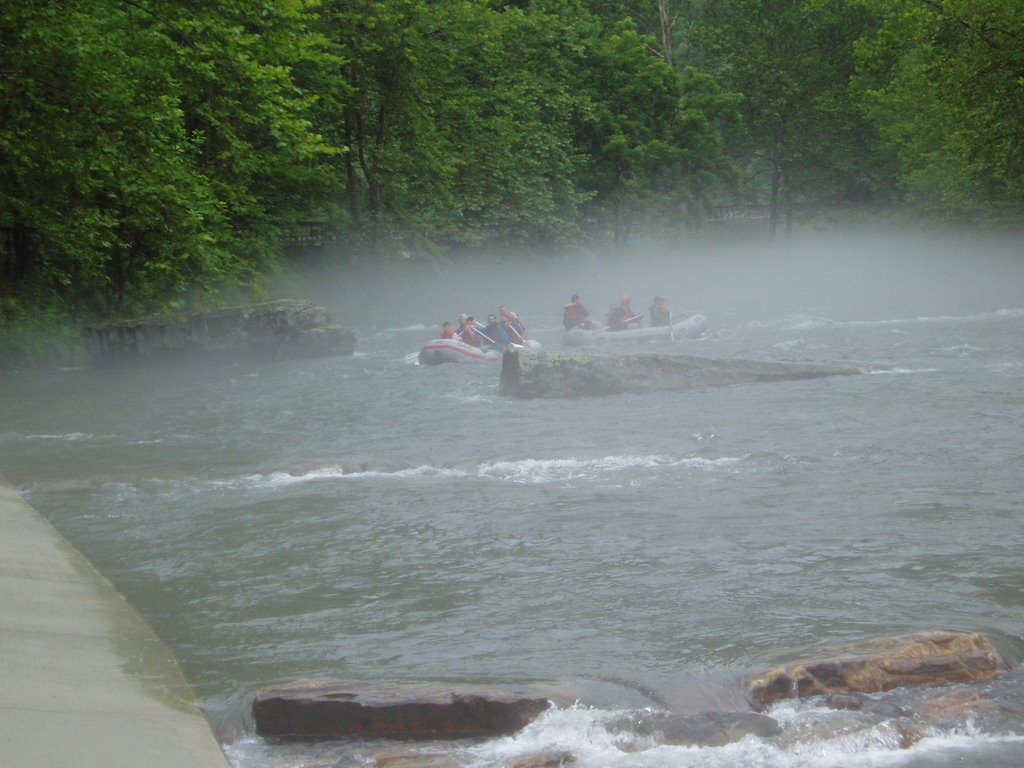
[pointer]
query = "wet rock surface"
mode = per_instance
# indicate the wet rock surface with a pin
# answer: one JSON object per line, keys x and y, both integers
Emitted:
{"x": 529, "y": 373}
{"x": 947, "y": 681}
{"x": 706, "y": 729}
{"x": 334, "y": 708}
{"x": 925, "y": 658}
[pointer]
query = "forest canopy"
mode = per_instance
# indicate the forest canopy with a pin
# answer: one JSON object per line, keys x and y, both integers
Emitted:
{"x": 158, "y": 154}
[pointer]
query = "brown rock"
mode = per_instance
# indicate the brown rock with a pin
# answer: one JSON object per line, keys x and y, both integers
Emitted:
{"x": 411, "y": 757}
{"x": 909, "y": 733}
{"x": 954, "y": 705}
{"x": 716, "y": 729}
{"x": 844, "y": 701}
{"x": 923, "y": 658}
{"x": 705, "y": 729}
{"x": 550, "y": 759}
{"x": 333, "y": 708}
{"x": 403, "y": 757}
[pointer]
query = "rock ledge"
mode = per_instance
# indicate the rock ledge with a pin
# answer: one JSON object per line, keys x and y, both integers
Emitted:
{"x": 922, "y": 658}
{"x": 530, "y": 373}
{"x": 332, "y": 708}
{"x": 277, "y": 329}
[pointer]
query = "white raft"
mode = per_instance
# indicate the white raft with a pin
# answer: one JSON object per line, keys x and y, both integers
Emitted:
{"x": 440, "y": 351}
{"x": 688, "y": 328}
{"x": 455, "y": 351}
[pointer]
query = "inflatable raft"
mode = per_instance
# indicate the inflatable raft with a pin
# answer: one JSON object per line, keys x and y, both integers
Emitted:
{"x": 688, "y": 328}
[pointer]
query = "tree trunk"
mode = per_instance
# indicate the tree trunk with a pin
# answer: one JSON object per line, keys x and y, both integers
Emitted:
{"x": 666, "y": 30}
{"x": 773, "y": 205}
{"x": 352, "y": 182}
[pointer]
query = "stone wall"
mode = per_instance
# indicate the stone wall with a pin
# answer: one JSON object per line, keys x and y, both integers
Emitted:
{"x": 277, "y": 329}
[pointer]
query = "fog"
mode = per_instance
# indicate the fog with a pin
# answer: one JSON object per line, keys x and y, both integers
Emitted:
{"x": 841, "y": 277}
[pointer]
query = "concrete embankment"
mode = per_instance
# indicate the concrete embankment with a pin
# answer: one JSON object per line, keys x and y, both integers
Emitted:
{"x": 86, "y": 682}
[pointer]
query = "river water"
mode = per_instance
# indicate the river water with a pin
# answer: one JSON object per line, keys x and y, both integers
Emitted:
{"x": 366, "y": 518}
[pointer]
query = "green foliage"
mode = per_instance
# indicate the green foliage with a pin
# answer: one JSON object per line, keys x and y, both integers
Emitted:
{"x": 503, "y": 117}
{"x": 943, "y": 81}
{"x": 471, "y": 125}
{"x": 455, "y": 124}
{"x": 148, "y": 154}
{"x": 804, "y": 139}
{"x": 153, "y": 153}
{"x": 32, "y": 336}
{"x": 654, "y": 157}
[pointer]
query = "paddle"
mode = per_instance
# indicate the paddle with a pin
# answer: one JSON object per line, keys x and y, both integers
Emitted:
{"x": 627, "y": 320}
{"x": 517, "y": 333}
{"x": 480, "y": 329}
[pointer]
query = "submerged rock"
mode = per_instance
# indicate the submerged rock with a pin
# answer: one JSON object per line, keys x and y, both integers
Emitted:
{"x": 276, "y": 329}
{"x": 706, "y": 729}
{"x": 419, "y": 757}
{"x": 549, "y": 759}
{"x": 539, "y": 373}
{"x": 923, "y": 658}
{"x": 332, "y": 708}
{"x": 405, "y": 757}
{"x": 956, "y": 706}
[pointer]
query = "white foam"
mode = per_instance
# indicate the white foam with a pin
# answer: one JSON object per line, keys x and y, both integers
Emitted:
{"x": 70, "y": 436}
{"x": 812, "y": 322}
{"x": 334, "y": 472}
{"x": 899, "y": 371}
{"x": 560, "y": 470}
{"x": 582, "y": 733}
{"x": 517, "y": 471}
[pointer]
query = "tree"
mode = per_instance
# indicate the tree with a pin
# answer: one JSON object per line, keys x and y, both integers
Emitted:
{"x": 456, "y": 126}
{"x": 654, "y": 154}
{"x": 149, "y": 152}
{"x": 792, "y": 62}
{"x": 942, "y": 79}
{"x": 504, "y": 111}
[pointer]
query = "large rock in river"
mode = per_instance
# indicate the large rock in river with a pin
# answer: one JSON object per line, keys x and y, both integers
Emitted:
{"x": 539, "y": 373}
{"x": 922, "y": 658}
{"x": 332, "y": 708}
{"x": 277, "y": 329}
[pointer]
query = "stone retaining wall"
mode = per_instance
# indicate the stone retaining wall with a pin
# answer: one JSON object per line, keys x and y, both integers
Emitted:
{"x": 277, "y": 329}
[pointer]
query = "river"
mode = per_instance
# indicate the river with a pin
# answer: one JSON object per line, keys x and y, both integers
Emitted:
{"x": 364, "y": 517}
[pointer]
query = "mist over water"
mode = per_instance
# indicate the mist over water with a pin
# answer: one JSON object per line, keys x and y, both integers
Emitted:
{"x": 367, "y": 518}
{"x": 844, "y": 276}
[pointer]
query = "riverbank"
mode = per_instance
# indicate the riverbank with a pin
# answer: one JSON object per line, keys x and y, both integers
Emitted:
{"x": 86, "y": 681}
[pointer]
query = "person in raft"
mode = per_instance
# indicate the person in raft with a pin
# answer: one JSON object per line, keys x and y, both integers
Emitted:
{"x": 512, "y": 323}
{"x": 494, "y": 334}
{"x": 468, "y": 334}
{"x": 621, "y": 316}
{"x": 575, "y": 315}
{"x": 516, "y": 328}
{"x": 447, "y": 330}
{"x": 660, "y": 313}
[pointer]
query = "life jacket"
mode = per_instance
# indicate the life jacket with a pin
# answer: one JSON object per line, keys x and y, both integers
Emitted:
{"x": 574, "y": 315}
{"x": 469, "y": 336}
{"x": 495, "y": 333}
{"x": 660, "y": 315}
